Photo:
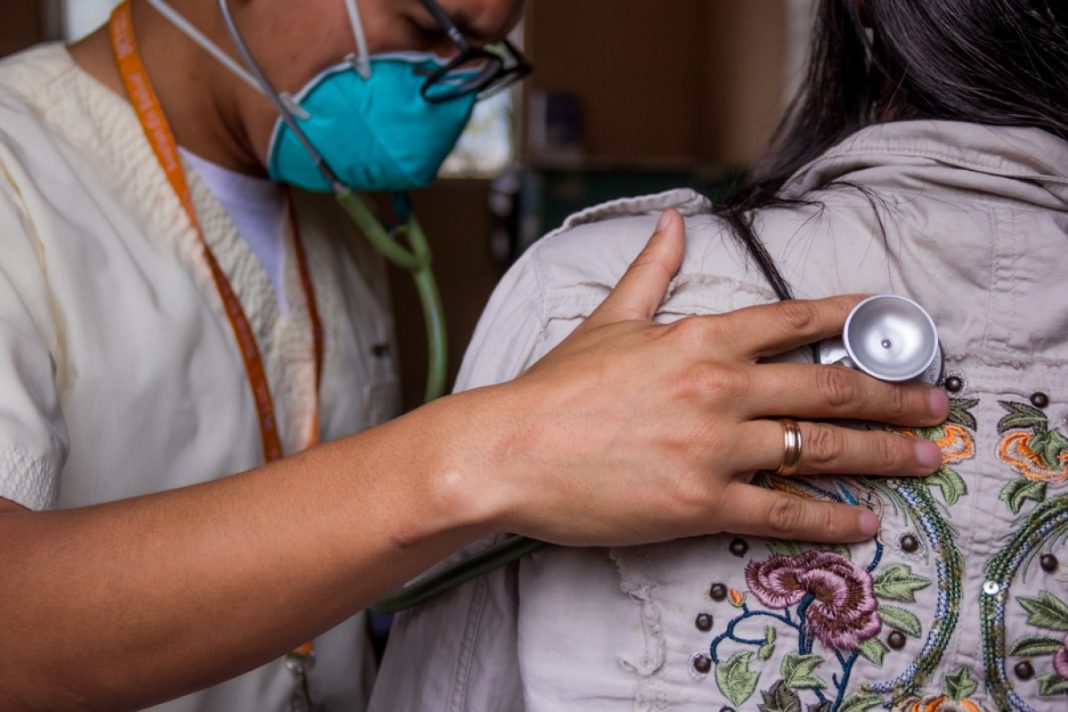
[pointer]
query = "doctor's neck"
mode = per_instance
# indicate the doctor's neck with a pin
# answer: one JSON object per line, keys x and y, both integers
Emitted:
{"x": 206, "y": 106}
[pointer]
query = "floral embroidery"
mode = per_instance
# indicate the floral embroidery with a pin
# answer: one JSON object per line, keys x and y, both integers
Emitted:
{"x": 836, "y": 607}
{"x": 942, "y": 703}
{"x": 958, "y": 688}
{"x": 827, "y": 600}
{"x": 957, "y": 444}
{"x": 1060, "y": 659}
{"x": 1048, "y": 613}
{"x": 1036, "y": 451}
{"x": 842, "y": 610}
{"x": 1048, "y": 521}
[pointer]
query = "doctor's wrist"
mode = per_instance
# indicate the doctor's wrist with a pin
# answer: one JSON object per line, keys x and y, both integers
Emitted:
{"x": 459, "y": 491}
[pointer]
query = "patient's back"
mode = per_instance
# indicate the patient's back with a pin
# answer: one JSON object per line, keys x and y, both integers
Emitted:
{"x": 961, "y": 603}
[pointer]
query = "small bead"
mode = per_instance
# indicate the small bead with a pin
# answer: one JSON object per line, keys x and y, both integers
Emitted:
{"x": 991, "y": 588}
{"x": 704, "y": 622}
{"x": 1049, "y": 563}
{"x": 910, "y": 544}
{"x": 702, "y": 664}
{"x": 726, "y": 709}
{"x": 739, "y": 548}
{"x": 896, "y": 640}
{"x": 1024, "y": 670}
{"x": 954, "y": 384}
{"x": 718, "y": 592}
{"x": 1040, "y": 401}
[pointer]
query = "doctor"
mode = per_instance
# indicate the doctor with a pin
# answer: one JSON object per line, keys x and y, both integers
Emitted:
{"x": 178, "y": 333}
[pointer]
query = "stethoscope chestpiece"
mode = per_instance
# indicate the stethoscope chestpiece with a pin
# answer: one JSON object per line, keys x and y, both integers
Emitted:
{"x": 890, "y": 338}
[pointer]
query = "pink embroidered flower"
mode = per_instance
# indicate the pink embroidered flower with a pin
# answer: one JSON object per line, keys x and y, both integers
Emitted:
{"x": 1060, "y": 660}
{"x": 842, "y": 614}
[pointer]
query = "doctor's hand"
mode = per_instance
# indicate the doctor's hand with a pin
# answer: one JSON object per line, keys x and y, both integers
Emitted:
{"x": 632, "y": 432}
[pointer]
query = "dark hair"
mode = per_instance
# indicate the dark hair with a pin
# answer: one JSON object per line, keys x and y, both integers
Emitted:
{"x": 996, "y": 62}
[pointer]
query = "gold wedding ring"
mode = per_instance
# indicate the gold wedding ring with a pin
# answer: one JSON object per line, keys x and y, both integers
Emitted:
{"x": 792, "y": 443}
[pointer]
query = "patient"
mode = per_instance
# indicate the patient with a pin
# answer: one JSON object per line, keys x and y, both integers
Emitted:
{"x": 928, "y": 156}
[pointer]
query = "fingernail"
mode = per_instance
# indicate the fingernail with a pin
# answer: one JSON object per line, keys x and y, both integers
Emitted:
{"x": 928, "y": 454}
{"x": 939, "y": 404}
{"x": 666, "y": 221}
{"x": 869, "y": 523}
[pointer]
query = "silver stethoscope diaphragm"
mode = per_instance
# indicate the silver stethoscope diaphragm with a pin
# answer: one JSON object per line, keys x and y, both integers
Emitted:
{"x": 890, "y": 338}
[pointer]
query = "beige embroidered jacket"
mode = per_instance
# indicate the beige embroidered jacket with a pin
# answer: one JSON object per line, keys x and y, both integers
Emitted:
{"x": 962, "y": 601}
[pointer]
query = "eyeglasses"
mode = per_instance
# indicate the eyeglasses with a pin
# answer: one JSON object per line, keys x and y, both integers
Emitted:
{"x": 475, "y": 70}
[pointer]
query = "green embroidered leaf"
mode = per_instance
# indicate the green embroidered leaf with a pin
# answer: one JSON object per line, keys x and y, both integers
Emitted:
{"x": 1021, "y": 416}
{"x": 768, "y": 648}
{"x": 1049, "y": 444}
{"x": 1047, "y": 611}
{"x": 874, "y": 650}
{"x": 898, "y": 583}
{"x": 1052, "y": 684}
{"x": 859, "y": 702}
{"x": 1036, "y": 646}
{"x": 783, "y": 548}
{"x": 1017, "y": 492}
{"x": 735, "y": 680}
{"x": 780, "y": 698}
{"x": 821, "y": 707}
{"x": 951, "y": 484}
{"x": 932, "y": 434}
{"x": 900, "y": 619}
{"x": 959, "y": 413}
{"x": 797, "y": 672}
{"x": 961, "y": 685}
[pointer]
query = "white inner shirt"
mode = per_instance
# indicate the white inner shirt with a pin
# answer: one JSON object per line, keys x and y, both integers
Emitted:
{"x": 257, "y": 208}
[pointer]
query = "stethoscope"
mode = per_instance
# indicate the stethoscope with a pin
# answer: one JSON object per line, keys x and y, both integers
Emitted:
{"x": 416, "y": 258}
{"x": 888, "y": 337}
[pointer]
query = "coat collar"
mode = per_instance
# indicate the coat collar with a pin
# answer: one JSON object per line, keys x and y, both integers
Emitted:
{"x": 1022, "y": 163}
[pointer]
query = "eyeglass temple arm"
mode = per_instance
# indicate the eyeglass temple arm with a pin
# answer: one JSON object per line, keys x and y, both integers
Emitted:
{"x": 443, "y": 19}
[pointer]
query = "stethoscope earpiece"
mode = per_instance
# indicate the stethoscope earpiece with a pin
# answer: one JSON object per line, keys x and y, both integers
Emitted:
{"x": 890, "y": 338}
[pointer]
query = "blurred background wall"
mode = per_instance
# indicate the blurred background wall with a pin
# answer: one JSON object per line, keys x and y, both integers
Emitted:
{"x": 628, "y": 97}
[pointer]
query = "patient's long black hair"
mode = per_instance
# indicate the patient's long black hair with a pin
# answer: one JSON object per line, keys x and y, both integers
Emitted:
{"x": 997, "y": 62}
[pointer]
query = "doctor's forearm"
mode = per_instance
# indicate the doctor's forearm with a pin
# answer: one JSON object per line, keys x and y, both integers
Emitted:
{"x": 131, "y": 603}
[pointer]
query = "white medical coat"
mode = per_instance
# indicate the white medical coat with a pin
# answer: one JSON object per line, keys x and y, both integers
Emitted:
{"x": 119, "y": 372}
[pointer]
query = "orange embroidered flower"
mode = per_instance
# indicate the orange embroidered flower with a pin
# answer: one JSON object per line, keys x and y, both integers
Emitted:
{"x": 955, "y": 441}
{"x": 737, "y": 598}
{"x": 1016, "y": 451}
{"x": 943, "y": 703}
{"x": 957, "y": 445}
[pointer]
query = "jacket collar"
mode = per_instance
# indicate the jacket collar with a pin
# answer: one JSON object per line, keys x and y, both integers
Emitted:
{"x": 1021, "y": 163}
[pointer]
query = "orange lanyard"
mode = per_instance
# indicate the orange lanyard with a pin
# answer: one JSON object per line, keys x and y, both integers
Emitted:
{"x": 158, "y": 132}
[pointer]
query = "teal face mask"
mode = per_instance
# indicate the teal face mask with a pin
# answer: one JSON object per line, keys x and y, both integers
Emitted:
{"x": 362, "y": 124}
{"x": 374, "y": 133}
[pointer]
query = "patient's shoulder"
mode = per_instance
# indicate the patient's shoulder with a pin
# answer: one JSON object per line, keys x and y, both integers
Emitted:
{"x": 580, "y": 262}
{"x": 593, "y": 248}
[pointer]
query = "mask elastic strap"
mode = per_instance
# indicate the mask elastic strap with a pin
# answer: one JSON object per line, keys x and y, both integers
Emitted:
{"x": 205, "y": 43}
{"x": 363, "y": 55}
{"x": 286, "y": 106}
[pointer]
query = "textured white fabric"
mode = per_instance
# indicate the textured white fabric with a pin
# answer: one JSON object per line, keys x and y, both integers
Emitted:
{"x": 972, "y": 222}
{"x": 119, "y": 372}
{"x": 257, "y": 207}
